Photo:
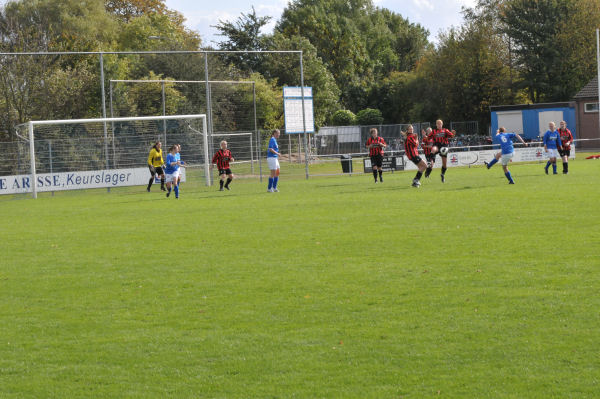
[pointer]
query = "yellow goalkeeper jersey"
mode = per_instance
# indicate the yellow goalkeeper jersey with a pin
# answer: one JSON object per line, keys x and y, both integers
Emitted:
{"x": 155, "y": 158}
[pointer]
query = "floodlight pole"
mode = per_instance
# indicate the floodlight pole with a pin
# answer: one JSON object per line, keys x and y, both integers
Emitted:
{"x": 112, "y": 124}
{"x": 208, "y": 114}
{"x": 255, "y": 129}
{"x": 598, "y": 69}
{"x": 303, "y": 116}
{"x": 164, "y": 110}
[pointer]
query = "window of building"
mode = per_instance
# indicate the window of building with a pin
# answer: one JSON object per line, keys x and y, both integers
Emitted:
{"x": 591, "y": 107}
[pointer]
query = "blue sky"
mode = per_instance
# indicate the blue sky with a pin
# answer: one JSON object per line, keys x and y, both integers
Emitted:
{"x": 434, "y": 15}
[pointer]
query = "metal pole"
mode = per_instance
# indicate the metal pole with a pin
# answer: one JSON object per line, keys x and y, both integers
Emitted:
{"x": 104, "y": 111}
{"x": 206, "y": 161}
{"x": 50, "y": 156}
{"x": 598, "y": 68}
{"x": 164, "y": 110}
{"x": 32, "y": 160}
{"x": 255, "y": 126}
{"x": 208, "y": 106}
{"x": 303, "y": 115}
{"x": 259, "y": 156}
{"x": 290, "y": 148}
{"x": 112, "y": 124}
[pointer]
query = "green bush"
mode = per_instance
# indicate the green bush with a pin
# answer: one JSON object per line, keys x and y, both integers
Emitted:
{"x": 369, "y": 116}
{"x": 343, "y": 117}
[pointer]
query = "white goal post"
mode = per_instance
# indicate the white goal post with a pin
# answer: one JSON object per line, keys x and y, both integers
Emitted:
{"x": 31, "y": 125}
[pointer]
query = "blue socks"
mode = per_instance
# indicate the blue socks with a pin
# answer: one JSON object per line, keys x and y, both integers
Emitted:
{"x": 271, "y": 182}
{"x": 276, "y": 179}
{"x": 554, "y": 168}
{"x": 492, "y": 163}
{"x": 509, "y": 177}
{"x": 176, "y": 191}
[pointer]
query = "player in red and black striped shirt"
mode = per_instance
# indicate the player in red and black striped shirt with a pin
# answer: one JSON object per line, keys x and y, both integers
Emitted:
{"x": 427, "y": 144}
{"x": 411, "y": 149}
{"x": 222, "y": 159}
{"x": 375, "y": 145}
{"x": 440, "y": 140}
{"x": 566, "y": 138}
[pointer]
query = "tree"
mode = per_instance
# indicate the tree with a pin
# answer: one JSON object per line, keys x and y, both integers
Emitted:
{"x": 357, "y": 42}
{"x": 533, "y": 26}
{"x": 27, "y": 82}
{"x": 285, "y": 70}
{"x": 243, "y": 34}
{"x": 126, "y": 10}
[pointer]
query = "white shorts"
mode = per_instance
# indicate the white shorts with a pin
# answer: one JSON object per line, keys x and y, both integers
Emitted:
{"x": 506, "y": 158}
{"x": 273, "y": 163}
{"x": 172, "y": 178}
{"x": 552, "y": 153}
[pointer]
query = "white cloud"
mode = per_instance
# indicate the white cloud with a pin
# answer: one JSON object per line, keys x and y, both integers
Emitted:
{"x": 423, "y": 4}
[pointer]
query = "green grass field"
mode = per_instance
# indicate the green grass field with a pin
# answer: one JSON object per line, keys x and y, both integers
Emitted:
{"x": 333, "y": 288}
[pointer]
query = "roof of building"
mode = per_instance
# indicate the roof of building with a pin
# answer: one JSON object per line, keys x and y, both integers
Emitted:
{"x": 589, "y": 90}
{"x": 518, "y": 107}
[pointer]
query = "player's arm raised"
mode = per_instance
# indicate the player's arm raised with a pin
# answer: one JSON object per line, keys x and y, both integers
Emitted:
{"x": 521, "y": 139}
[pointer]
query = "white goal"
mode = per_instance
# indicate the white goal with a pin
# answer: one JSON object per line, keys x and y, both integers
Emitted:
{"x": 95, "y": 146}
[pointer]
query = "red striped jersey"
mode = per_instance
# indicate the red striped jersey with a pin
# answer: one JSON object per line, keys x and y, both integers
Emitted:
{"x": 565, "y": 136}
{"x": 375, "y": 150}
{"x": 411, "y": 146}
{"x": 441, "y": 136}
{"x": 427, "y": 143}
{"x": 222, "y": 158}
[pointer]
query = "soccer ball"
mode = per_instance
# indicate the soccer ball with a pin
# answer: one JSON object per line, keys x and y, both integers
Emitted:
{"x": 444, "y": 150}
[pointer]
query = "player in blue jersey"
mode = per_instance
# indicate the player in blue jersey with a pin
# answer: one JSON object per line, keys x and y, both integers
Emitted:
{"x": 552, "y": 144}
{"x": 172, "y": 171}
{"x": 506, "y": 152}
{"x": 178, "y": 159}
{"x": 273, "y": 161}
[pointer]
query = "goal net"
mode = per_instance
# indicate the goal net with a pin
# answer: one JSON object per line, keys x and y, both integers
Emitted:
{"x": 104, "y": 152}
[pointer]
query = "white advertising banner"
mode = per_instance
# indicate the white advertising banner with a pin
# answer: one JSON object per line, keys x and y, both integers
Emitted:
{"x": 467, "y": 158}
{"x": 77, "y": 180}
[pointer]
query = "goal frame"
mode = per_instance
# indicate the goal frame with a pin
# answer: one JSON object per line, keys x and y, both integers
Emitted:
{"x": 32, "y": 124}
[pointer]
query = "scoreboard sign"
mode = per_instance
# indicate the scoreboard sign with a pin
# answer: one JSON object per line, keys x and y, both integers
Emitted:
{"x": 389, "y": 164}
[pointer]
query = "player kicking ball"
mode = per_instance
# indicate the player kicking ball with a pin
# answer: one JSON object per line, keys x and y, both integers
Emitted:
{"x": 506, "y": 152}
{"x": 411, "y": 149}
{"x": 222, "y": 158}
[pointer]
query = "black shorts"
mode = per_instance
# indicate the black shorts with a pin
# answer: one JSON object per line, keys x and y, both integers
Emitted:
{"x": 430, "y": 158}
{"x": 564, "y": 152}
{"x": 439, "y": 147}
{"x": 225, "y": 172}
{"x": 377, "y": 160}
{"x": 155, "y": 170}
{"x": 416, "y": 160}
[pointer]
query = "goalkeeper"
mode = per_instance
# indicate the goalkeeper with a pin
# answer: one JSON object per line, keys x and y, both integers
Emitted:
{"x": 155, "y": 163}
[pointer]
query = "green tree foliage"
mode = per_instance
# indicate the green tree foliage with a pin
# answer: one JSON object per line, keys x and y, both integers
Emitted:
{"x": 244, "y": 34}
{"x": 343, "y": 117}
{"x": 398, "y": 97}
{"x": 577, "y": 56}
{"x": 285, "y": 69}
{"x": 27, "y": 83}
{"x": 369, "y": 116}
{"x": 358, "y": 42}
{"x": 465, "y": 75}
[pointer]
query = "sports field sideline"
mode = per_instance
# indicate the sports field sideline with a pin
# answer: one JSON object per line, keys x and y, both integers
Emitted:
{"x": 334, "y": 287}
